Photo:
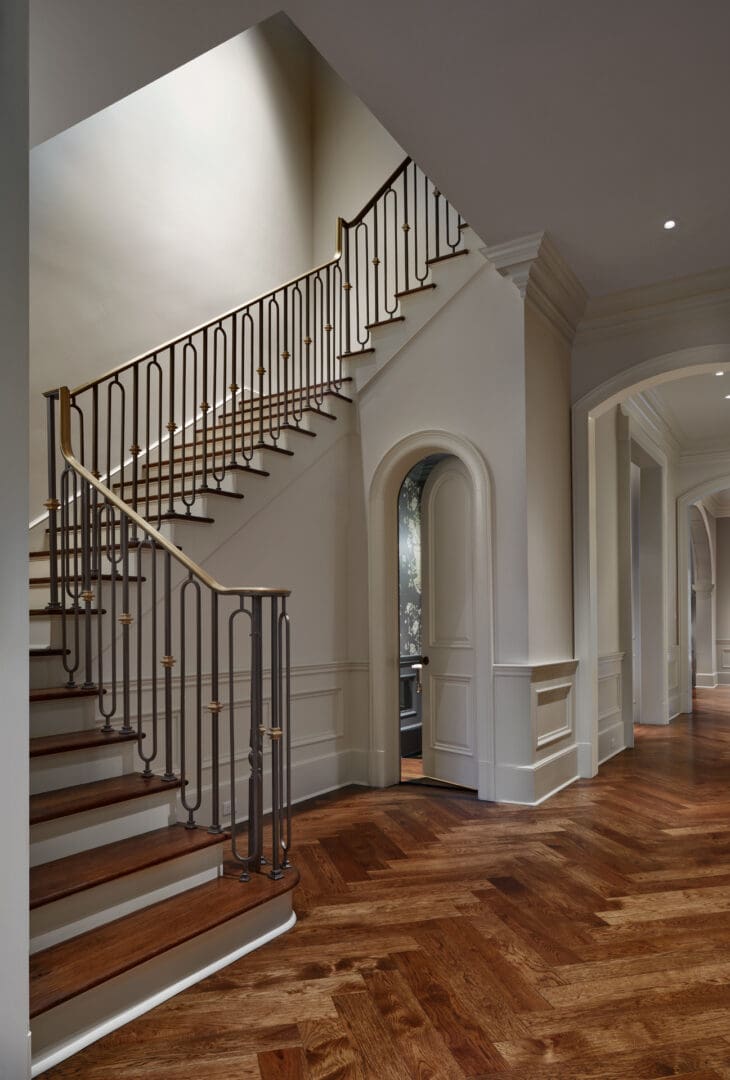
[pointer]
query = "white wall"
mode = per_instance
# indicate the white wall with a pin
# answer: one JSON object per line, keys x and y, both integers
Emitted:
{"x": 549, "y": 507}
{"x": 464, "y": 373}
{"x": 352, "y": 155}
{"x": 723, "y": 578}
{"x": 14, "y": 546}
{"x": 607, "y": 538}
{"x": 177, "y": 203}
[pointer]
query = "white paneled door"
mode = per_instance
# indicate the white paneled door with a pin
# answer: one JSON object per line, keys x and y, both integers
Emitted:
{"x": 449, "y": 737}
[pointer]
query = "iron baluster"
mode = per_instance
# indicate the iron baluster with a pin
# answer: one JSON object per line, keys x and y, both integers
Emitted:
{"x": 52, "y": 503}
{"x": 215, "y": 709}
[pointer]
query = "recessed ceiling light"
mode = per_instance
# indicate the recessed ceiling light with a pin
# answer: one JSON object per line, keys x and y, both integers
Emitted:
{"x": 719, "y": 372}
{"x": 670, "y": 223}
{"x": 727, "y": 397}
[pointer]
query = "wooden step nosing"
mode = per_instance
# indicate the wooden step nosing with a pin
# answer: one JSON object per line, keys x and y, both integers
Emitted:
{"x": 49, "y": 745}
{"x": 385, "y": 322}
{"x": 443, "y": 258}
{"x": 145, "y": 788}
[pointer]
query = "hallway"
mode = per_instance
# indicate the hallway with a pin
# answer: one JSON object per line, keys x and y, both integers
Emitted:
{"x": 444, "y": 938}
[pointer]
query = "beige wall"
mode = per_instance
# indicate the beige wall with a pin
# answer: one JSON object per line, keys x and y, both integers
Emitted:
{"x": 607, "y": 542}
{"x": 175, "y": 204}
{"x": 549, "y": 510}
{"x": 722, "y": 570}
{"x": 14, "y": 538}
{"x": 352, "y": 154}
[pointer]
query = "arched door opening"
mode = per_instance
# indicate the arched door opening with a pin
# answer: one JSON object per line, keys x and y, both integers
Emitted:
{"x": 437, "y": 727}
{"x": 614, "y": 628}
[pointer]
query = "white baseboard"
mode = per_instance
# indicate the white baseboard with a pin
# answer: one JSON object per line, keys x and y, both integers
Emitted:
{"x": 611, "y": 741}
{"x": 707, "y": 680}
{"x": 530, "y": 785}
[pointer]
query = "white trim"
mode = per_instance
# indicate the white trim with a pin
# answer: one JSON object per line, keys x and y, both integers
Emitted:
{"x": 663, "y": 368}
{"x": 542, "y": 276}
{"x": 383, "y": 603}
{"x": 623, "y": 312}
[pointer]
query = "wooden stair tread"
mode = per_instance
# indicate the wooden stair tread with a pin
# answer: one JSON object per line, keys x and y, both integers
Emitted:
{"x": 64, "y": 971}
{"x": 198, "y": 493}
{"x": 50, "y": 805}
{"x": 69, "y": 741}
{"x": 178, "y": 460}
{"x": 35, "y": 582}
{"x": 61, "y": 693}
{"x": 50, "y": 613}
{"x": 354, "y": 353}
{"x": 443, "y": 258}
{"x": 86, "y": 869}
{"x": 385, "y": 322}
{"x": 415, "y": 290}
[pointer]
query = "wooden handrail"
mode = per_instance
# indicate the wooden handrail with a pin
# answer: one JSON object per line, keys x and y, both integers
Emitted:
{"x": 135, "y": 519}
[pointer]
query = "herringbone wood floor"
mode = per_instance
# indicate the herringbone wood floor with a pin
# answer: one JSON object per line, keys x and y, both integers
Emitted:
{"x": 443, "y": 938}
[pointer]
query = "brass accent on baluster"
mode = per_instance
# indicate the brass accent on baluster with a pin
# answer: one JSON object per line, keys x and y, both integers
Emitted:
{"x": 436, "y": 193}
{"x": 274, "y": 733}
{"x": 204, "y": 406}
{"x": 376, "y": 261}
{"x": 171, "y": 426}
{"x": 307, "y": 341}
{"x": 135, "y": 450}
{"x": 328, "y": 328}
{"x": 346, "y": 286}
{"x": 126, "y": 619}
{"x": 96, "y": 474}
{"x": 285, "y": 355}
{"x": 215, "y": 707}
{"x": 87, "y": 596}
{"x": 405, "y": 227}
{"x": 52, "y": 504}
{"x": 260, "y": 370}
{"x": 168, "y": 661}
{"x": 233, "y": 387}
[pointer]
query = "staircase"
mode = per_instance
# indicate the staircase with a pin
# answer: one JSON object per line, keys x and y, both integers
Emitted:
{"x": 160, "y": 806}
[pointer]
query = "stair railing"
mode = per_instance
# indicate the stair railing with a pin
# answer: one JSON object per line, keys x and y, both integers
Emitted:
{"x": 133, "y": 607}
{"x": 177, "y": 422}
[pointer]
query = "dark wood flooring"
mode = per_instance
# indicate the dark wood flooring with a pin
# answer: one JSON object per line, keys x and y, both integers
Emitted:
{"x": 441, "y": 938}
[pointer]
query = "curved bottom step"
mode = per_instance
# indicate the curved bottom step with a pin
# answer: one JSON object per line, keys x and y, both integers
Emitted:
{"x": 92, "y": 985}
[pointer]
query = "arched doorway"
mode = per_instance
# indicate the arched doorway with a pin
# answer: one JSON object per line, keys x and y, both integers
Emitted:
{"x": 436, "y": 616}
{"x": 586, "y": 412}
{"x": 384, "y": 611}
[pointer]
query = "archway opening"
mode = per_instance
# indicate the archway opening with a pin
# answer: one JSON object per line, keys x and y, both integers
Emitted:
{"x": 643, "y": 433}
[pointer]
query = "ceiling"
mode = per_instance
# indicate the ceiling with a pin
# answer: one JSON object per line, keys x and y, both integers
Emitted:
{"x": 593, "y": 119}
{"x": 695, "y": 409}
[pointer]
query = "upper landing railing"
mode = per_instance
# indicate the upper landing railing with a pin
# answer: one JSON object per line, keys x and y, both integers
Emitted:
{"x": 175, "y": 422}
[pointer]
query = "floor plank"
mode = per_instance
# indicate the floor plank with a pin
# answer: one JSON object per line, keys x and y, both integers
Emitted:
{"x": 440, "y": 938}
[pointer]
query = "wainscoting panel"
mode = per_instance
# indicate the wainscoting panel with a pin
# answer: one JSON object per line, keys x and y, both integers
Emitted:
{"x": 611, "y": 737}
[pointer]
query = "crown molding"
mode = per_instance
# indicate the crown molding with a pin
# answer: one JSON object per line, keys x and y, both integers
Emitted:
{"x": 645, "y": 412}
{"x": 706, "y": 456}
{"x": 537, "y": 269}
{"x": 622, "y": 312}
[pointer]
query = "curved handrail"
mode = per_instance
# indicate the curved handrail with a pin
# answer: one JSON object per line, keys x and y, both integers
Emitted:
{"x": 135, "y": 519}
{"x": 342, "y": 224}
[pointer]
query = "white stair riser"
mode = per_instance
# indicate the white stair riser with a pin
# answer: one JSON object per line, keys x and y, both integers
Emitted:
{"x": 47, "y": 672}
{"x": 55, "y": 771}
{"x": 76, "y": 914}
{"x": 59, "y": 716}
{"x": 41, "y": 567}
{"x": 79, "y": 832}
